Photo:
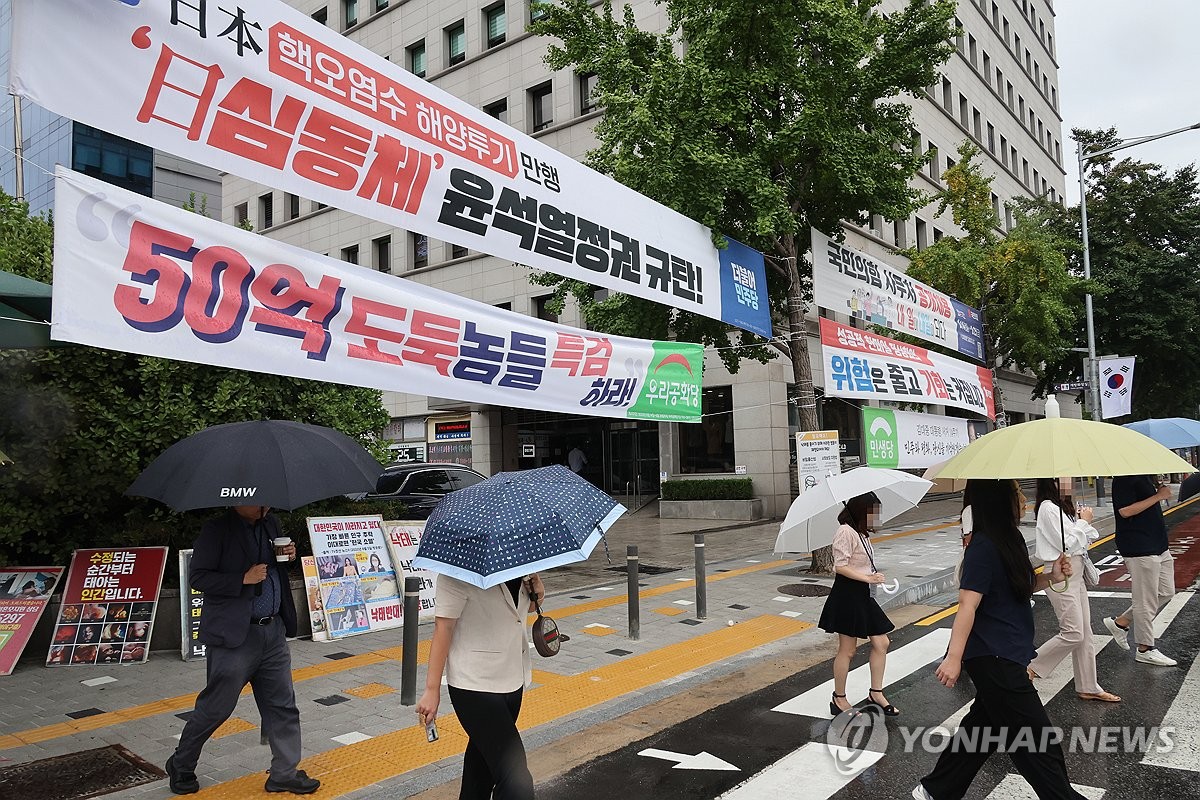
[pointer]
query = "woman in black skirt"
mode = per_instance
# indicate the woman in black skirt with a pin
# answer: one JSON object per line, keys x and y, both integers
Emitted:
{"x": 850, "y": 610}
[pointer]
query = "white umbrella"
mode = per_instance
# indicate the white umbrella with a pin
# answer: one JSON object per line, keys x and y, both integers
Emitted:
{"x": 812, "y": 519}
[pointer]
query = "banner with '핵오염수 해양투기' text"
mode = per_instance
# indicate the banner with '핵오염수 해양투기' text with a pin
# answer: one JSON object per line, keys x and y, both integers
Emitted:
{"x": 265, "y": 92}
{"x": 139, "y": 276}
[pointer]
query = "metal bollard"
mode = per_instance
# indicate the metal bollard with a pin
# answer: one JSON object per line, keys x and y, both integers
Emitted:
{"x": 408, "y": 652}
{"x": 635, "y": 618}
{"x": 701, "y": 582}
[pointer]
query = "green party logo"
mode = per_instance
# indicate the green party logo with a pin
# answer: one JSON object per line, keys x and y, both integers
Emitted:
{"x": 671, "y": 385}
{"x": 883, "y": 441}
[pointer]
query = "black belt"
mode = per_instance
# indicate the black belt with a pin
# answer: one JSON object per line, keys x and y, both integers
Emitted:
{"x": 262, "y": 620}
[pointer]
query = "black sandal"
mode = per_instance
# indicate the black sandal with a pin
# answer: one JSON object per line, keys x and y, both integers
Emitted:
{"x": 833, "y": 706}
{"x": 888, "y": 711}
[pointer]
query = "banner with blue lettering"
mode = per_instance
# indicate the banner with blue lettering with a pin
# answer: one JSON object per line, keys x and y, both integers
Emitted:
{"x": 140, "y": 276}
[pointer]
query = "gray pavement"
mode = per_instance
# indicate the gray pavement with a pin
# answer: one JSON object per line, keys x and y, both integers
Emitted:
{"x": 348, "y": 690}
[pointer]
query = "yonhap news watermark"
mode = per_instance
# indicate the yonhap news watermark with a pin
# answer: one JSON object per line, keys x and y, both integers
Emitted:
{"x": 856, "y": 741}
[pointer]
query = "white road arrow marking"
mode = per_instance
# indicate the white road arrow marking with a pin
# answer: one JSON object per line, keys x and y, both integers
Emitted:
{"x": 701, "y": 760}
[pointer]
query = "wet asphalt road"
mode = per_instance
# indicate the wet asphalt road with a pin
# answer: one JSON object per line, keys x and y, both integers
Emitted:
{"x": 752, "y": 737}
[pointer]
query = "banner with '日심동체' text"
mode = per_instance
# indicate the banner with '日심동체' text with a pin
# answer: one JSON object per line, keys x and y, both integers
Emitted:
{"x": 263, "y": 91}
{"x": 140, "y": 276}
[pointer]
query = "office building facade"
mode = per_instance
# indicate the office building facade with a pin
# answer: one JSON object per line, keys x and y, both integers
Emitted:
{"x": 999, "y": 89}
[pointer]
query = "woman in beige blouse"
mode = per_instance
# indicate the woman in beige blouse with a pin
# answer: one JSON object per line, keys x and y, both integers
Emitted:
{"x": 850, "y": 610}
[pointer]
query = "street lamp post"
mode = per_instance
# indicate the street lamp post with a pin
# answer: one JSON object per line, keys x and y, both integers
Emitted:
{"x": 1094, "y": 369}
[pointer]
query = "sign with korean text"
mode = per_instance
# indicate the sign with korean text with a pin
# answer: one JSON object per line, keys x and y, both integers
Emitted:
{"x": 359, "y": 591}
{"x": 191, "y": 605}
{"x": 905, "y": 440}
{"x": 853, "y": 283}
{"x": 140, "y": 276}
{"x": 263, "y": 91}
{"x": 108, "y": 603}
{"x": 316, "y": 606}
{"x": 452, "y": 430}
{"x": 817, "y": 457}
{"x": 403, "y": 539}
{"x": 24, "y": 594}
{"x": 869, "y": 367}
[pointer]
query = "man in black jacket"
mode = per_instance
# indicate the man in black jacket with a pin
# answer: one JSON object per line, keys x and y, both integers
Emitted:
{"x": 248, "y": 612}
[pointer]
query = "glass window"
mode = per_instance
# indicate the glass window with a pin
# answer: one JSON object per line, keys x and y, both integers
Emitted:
{"x": 541, "y": 310}
{"x": 428, "y": 481}
{"x": 382, "y": 248}
{"x": 587, "y": 93}
{"x": 350, "y": 254}
{"x": 293, "y": 205}
{"x": 380, "y": 5}
{"x": 241, "y": 214}
{"x": 458, "y": 251}
{"x": 351, "y": 9}
{"x": 266, "y": 210}
{"x": 541, "y": 102}
{"x": 321, "y": 15}
{"x": 496, "y": 25}
{"x": 110, "y": 158}
{"x": 708, "y": 446}
{"x": 461, "y": 479}
{"x": 420, "y": 250}
{"x": 498, "y": 109}
{"x": 416, "y": 59}
{"x": 537, "y": 9}
{"x": 456, "y": 43}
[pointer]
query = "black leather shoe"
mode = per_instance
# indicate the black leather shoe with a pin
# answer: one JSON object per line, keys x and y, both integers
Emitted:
{"x": 181, "y": 782}
{"x": 300, "y": 784}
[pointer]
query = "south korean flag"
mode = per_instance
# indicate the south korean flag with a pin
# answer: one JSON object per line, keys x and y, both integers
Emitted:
{"x": 1116, "y": 387}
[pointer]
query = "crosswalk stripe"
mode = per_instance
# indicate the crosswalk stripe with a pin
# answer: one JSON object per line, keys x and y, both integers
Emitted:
{"x": 1014, "y": 787}
{"x": 1170, "y": 611}
{"x": 901, "y": 663}
{"x": 1182, "y": 716}
{"x": 811, "y": 767}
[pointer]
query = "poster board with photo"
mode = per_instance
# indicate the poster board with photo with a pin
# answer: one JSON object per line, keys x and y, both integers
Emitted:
{"x": 24, "y": 594}
{"x": 403, "y": 539}
{"x": 312, "y": 595}
{"x": 108, "y": 604}
{"x": 358, "y": 586}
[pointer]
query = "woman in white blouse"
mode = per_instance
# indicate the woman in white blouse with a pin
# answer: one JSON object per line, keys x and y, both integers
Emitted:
{"x": 1061, "y": 528}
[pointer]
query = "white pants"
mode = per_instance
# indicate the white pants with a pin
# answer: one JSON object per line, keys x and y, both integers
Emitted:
{"x": 1074, "y": 636}
{"x": 1153, "y": 579}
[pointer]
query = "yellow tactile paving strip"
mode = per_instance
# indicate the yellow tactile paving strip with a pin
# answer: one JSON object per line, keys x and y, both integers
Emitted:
{"x": 231, "y": 726}
{"x": 670, "y": 611}
{"x": 356, "y": 766}
{"x": 331, "y": 667}
{"x": 599, "y": 630}
{"x": 370, "y": 690}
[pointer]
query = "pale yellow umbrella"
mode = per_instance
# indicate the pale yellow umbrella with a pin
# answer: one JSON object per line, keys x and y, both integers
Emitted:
{"x": 1061, "y": 448}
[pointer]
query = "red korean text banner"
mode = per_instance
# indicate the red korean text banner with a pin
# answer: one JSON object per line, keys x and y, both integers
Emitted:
{"x": 139, "y": 276}
{"x": 24, "y": 594}
{"x": 862, "y": 365}
{"x": 108, "y": 603}
{"x": 263, "y": 91}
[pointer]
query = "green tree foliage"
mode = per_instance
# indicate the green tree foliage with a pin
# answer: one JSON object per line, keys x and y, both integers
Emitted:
{"x": 759, "y": 119}
{"x": 1030, "y": 302}
{"x": 80, "y": 423}
{"x": 1144, "y": 231}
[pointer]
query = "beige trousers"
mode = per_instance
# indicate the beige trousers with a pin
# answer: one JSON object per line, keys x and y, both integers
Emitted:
{"x": 1153, "y": 579}
{"x": 1074, "y": 637}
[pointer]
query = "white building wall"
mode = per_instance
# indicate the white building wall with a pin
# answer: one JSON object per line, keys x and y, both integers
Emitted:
{"x": 509, "y": 70}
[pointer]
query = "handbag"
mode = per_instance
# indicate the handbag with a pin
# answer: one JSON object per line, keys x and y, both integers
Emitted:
{"x": 1091, "y": 573}
{"x": 547, "y": 639}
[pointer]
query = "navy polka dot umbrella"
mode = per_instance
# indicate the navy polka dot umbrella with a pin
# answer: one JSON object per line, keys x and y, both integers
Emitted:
{"x": 514, "y": 524}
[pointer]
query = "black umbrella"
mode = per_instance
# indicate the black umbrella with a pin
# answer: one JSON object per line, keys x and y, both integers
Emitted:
{"x": 264, "y": 463}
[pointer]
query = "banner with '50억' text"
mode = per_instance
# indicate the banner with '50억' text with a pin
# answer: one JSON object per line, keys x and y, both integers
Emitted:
{"x": 264, "y": 91}
{"x": 140, "y": 276}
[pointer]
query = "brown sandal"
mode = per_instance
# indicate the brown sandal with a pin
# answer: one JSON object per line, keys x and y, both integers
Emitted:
{"x": 1106, "y": 697}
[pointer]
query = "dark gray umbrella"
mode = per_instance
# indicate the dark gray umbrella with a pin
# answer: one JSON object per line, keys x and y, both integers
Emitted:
{"x": 262, "y": 463}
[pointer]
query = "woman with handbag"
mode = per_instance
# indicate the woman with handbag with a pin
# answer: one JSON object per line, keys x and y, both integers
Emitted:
{"x": 480, "y": 643}
{"x": 1061, "y": 528}
{"x": 850, "y": 610}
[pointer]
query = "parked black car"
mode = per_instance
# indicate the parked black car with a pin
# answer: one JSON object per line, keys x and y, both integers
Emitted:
{"x": 420, "y": 485}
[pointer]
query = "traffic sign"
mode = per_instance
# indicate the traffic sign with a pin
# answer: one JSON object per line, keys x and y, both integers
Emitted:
{"x": 1072, "y": 386}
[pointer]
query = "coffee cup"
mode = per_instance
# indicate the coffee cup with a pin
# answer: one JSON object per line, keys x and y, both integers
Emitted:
{"x": 280, "y": 543}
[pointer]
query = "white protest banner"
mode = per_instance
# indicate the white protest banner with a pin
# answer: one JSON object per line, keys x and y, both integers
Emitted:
{"x": 853, "y": 283}
{"x": 140, "y": 276}
{"x": 271, "y": 95}
{"x": 904, "y": 440}
{"x": 358, "y": 584}
{"x": 403, "y": 539}
{"x": 1116, "y": 386}
{"x": 817, "y": 457}
{"x": 863, "y": 365}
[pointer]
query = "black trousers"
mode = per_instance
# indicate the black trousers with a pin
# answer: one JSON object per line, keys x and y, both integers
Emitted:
{"x": 1007, "y": 712}
{"x": 263, "y": 661}
{"x": 494, "y": 765}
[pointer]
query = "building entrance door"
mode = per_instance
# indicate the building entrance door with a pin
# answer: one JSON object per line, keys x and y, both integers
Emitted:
{"x": 631, "y": 463}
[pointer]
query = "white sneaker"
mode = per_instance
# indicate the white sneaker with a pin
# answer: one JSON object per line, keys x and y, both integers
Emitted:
{"x": 1155, "y": 657}
{"x": 1120, "y": 635}
{"x": 919, "y": 793}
